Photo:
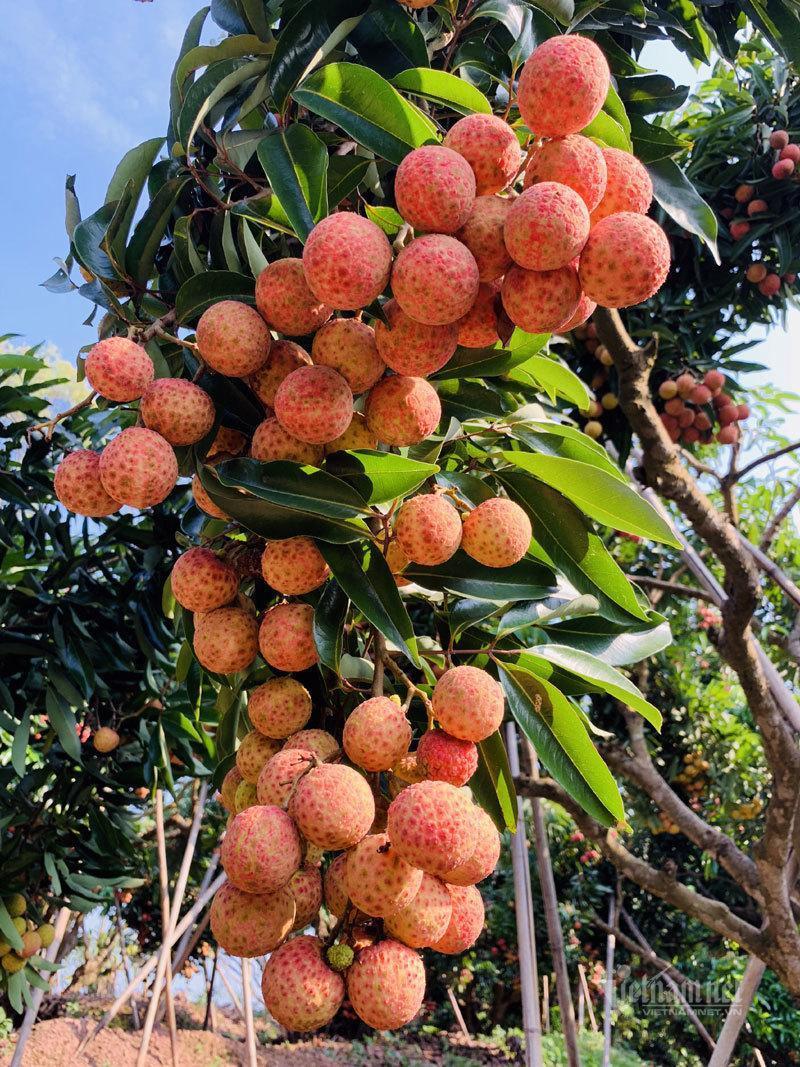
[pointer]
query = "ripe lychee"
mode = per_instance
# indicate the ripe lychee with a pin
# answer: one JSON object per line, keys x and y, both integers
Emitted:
{"x": 386, "y": 985}
{"x": 743, "y": 193}
{"x": 432, "y": 826}
{"x": 484, "y": 857}
{"x": 376, "y": 734}
{"x": 31, "y": 944}
{"x": 226, "y": 640}
{"x": 756, "y": 272}
{"x": 227, "y": 442}
{"x": 574, "y": 161}
{"x": 300, "y": 990}
{"x": 563, "y": 86}
{"x": 281, "y": 774}
{"x": 482, "y": 233}
{"x": 783, "y": 169}
{"x": 757, "y": 207}
{"x": 379, "y": 881}
{"x": 466, "y": 921}
{"x": 227, "y": 790}
{"x": 434, "y": 189}
{"x": 335, "y": 886}
{"x": 246, "y": 796}
{"x": 138, "y": 468}
{"x": 250, "y": 924}
{"x": 347, "y": 260}
{"x": 790, "y": 151}
{"x": 333, "y": 806}
{"x": 324, "y": 745}
{"x": 685, "y": 383}
{"x": 628, "y": 185}
{"x": 105, "y": 739}
{"x": 79, "y": 488}
{"x": 179, "y": 410}
{"x": 314, "y": 404}
{"x": 468, "y": 703}
{"x": 625, "y": 260}
{"x": 586, "y": 307}
{"x": 204, "y": 501}
{"x": 261, "y": 849}
{"x": 294, "y": 566}
{"x": 497, "y": 533}
{"x": 284, "y": 357}
{"x": 119, "y": 369}
{"x": 770, "y": 285}
{"x": 201, "y": 581}
{"x": 428, "y": 529}
{"x": 253, "y": 752}
{"x": 306, "y": 888}
{"x": 445, "y": 758}
{"x": 435, "y": 279}
{"x": 357, "y": 436}
{"x": 539, "y": 301}
{"x": 490, "y": 147}
{"x": 279, "y": 707}
{"x": 272, "y": 443}
{"x": 778, "y": 139}
{"x": 402, "y": 410}
{"x": 739, "y": 228}
{"x": 233, "y": 339}
{"x": 285, "y": 300}
{"x": 546, "y": 227}
{"x": 286, "y": 637}
{"x": 479, "y": 327}
{"x": 411, "y": 347}
{"x": 425, "y": 919}
{"x": 348, "y": 347}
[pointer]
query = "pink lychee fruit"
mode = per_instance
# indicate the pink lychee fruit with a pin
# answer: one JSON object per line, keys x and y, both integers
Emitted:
{"x": 233, "y": 339}
{"x": 348, "y": 347}
{"x": 757, "y": 207}
{"x": 756, "y": 272}
{"x": 260, "y": 850}
{"x": 397, "y": 562}
{"x": 201, "y": 581}
{"x": 468, "y": 703}
{"x": 411, "y": 347}
{"x": 466, "y": 921}
{"x": 485, "y": 854}
{"x": 138, "y": 468}
{"x": 376, "y": 734}
{"x": 226, "y": 640}
{"x": 790, "y": 151}
{"x": 386, "y": 985}
{"x": 770, "y": 285}
{"x": 783, "y": 169}
{"x": 285, "y": 300}
{"x": 333, "y": 806}
{"x": 497, "y": 533}
{"x": 79, "y": 487}
{"x": 479, "y": 327}
{"x": 204, "y": 501}
{"x": 335, "y": 886}
{"x": 402, "y": 410}
{"x": 739, "y": 228}
{"x": 628, "y": 185}
{"x": 574, "y": 161}
{"x": 435, "y": 279}
{"x": 324, "y": 745}
{"x": 546, "y": 227}
{"x": 425, "y": 919}
{"x": 280, "y": 775}
{"x": 306, "y": 888}
{"x": 300, "y": 990}
{"x": 728, "y": 435}
{"x": 119, "y": 369}
{"x": 432, "y": 826}
{"x": 357, "y": 436}
{"x": 347, "y": 260}
{"x": 585, "y": 309}
{"x": 445, "y": 758}
{"x": 778, "y": 139}
{"x": 246, "y": 796}
{"x": 227, "y": 790}
{"x": 179, "y": 410}
{"x": 227, "y": 442}
{"x": 250, "y": 924}
{"x": 279, "y": 707}
{"x": 490, "y": 147}
{"x": 482, "y": 233}
{"x": 434, "y": 189}
{"x": 286, "y": 637}
{"x": 314, "y": 404}
{"x": 379, "y": 881}
{"x": 563, "y": 86}
{"x": 294, "y": 566}
{"x": 272, "y": 443}
{"x": 539, "y": 301}
{"x": 284, "y": 357}
{"x": 625, "y": 260}
{"x": 428, "y": 529}
{"x": 253, "y": 753}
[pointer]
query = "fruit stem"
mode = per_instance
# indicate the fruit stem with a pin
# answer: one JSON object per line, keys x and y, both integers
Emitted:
{"x": 51, "y": 424}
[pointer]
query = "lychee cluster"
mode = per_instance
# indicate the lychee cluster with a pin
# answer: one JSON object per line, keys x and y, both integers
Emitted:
{"x": 34, "y": 936}
{"x": 697, "y": 411}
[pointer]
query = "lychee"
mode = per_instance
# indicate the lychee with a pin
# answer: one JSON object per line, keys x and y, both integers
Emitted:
{"x": 357, "y": 436}
{"x": 227, "y": 442}
{"x": 279, "y": 707}
{"x": 485, "y": 854}
{"x": 285, "y": 300}
{"x": 294, "y": 566}
{"x": 376, "y": 734}
{"x": 272, "y": 443}
{"x": 490, "y": 147}
{"x": 335, "y": 886}
{"x": 306, "y": 888}
{"x": 546, "y": 227}
{"x": 739, "y": 228}
{"x": 628, "y": 185}
{"x": 78, "y": 485}
{"x": 783, "y": 169}
{"x": 428, "y": 529}
{"x": 685, "y": 383}
{"x": 539, "y": 301}
{"x": 250, "y": 924}
{"x": 233, "y": 339}
{"x": 425, "y": 919}
{"x": 435, "y": 279}
{"x": 260, "y": 850}
{"x": 253, "y": 752}
{"x": 625, "y": 260}
{"x": 227, "y": 790}
{"x": 347, "y": 260}
{"x": 434, "y": 189}
{"x": 497, "y": 533}
{"x": 179, "y": 410}
{"x": 432, "y": 826}
{"x": 411, "y": 347}
{"x": 445, "y": 758}
{"x": 742, "y": 193}
{"x": 284, "y": 357}
{"x": 468, "y": 703}
{"x": 778, "y": 139}
{"x": 314, "y": 404}
{"x": 201, "y": 581}
{"x": 138, "y": 468}
{"x": 756, "y": 272}
{"x": 757, "y": 207}
{"x": 105, "y": 739}
{"x": 574, "y": 161}
{"x": 593, "y": 429}
{"x": 119, "y": 369}
{"x": 204, "y": 501}
{"x": 379, "y": 881}
{"x": 563, "y": 86}
{"x": 300, "y": 990}
{"x": 482, "y": 233}
{"x": 246, "y": 796}
{"x": 402, "y": 410}
{"x": 397, "y": 561}
{"x": 466, "y": 921}
{"x": 333, "y": 806}
{"x": 790, "y": 151}
{"x": 770, "y": 285}
{"x": 585, "y": 308}
{"x": 386, "y": 985}
{"x": 281, "y": 773}
{"x": 324, "y": 745}
{"x": 479, "y": 327}
{"x": 226, "y": 640}
{"x": 286, "y": 637}
{"x": 348, "y": 347}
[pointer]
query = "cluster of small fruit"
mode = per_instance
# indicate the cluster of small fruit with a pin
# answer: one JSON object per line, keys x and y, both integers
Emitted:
{"x": 693, "y": 407}
{"x": 34, "y": 937}
{"x": 694, "y": 778}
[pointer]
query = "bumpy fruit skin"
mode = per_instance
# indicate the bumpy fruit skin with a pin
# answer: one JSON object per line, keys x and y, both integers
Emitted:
{"x": 357, "y": 435}
{"x": 484, "y": 857}
{"x": 539, "y": 301}
{"x": 226, "y": 640}
{"x": 469, "y": 704}
{"x": 31, "y": 944}
{"x": 582, "y": 313}
{"x": 284, "y": 357}
{"x": 379, "y": 881}
{"x": 281, "y": 774}
{"x": 628, "y": 185}
{"x": 105, "y": 739}
{"x": 411, "y": 347}
{"x": 179, "y": 410}
{"x": 246, "y": 797}
{"x": 562, "y": 86}
{"x": 300, "y": 990}
{"x": 490, "y": 147}
{"x": 286, "y": 637}
{"x": 482, "y": 233}
{"x": 435, "y": 279}
{"x": 285, "y": 300}
{"x": 625, "y": 260}
{"x": 227, "y": 442}
{"x": 386, "y": 985}
{"x": 333, "y": 806}
{"x": 434, "y": 189}
{"x": 249, "y": 924}
{"x": 204, "y": 501}
{"x": 348, "y": 347}
{"x": 428, "y": 529}
{"x": 16, "y": 905}
{"x": 335, "y": 886}
{"x": 261, "y": 850}
{"x": 279, "y": 707}
{"x": 253, "y": 753}
{"x": 497, "y": 533}
{"x": 445, "y": 758}
{"x": 233, "y": 339}
{"x": 769, "y": 285}
{"x": 574, "y": 161}
{"x": 227, "y": 790}
{"x": 12, "y": 963}
{"x": 314, "y": 404}
{"x": 272, "y": 443}
{"x": 79, "y": 488}
{"x": 425, "y": 919}
{"x": 376, "y": 734}
{"x": 347, "y": 260}
{"x": 432, "y": 826}
{"x": 466, "y": 921}
{"x": 546, "y": 227}
{"x": 119, "y": 369}
{"x": 479, "y": 327}
{"x": 324, "y": 745}
{"x": 402, "y": 410}
{"x": 306, "y": 888}
{"x": 47, "y": 934}
{"x": 294, "y": 566}
{"x": 201, "y": 581}
{"x": 138, "y": 468}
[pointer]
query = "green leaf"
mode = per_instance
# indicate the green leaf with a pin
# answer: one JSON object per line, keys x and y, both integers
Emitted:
{"x": 555, "y": 378}
{"x": 344, "y": 175}
{"x": 19, "y": 746}
{"x": 8, "y": 929}
{"x": 329, "y": 619}
{"x": 389, "y": 40}
{"x": 150, "y": 229}
{"x": 230, "y": 48}
{"x": 380, "y": 476}
{"x": 389, "y": 220}
{"x": 134, "y": 167}
{"x": 200, "y": 292}
{"x": 443, "y": 88}
{"x": 63, "y": 722}
{"x": 191, "y": 39}
{"x": 296, "y": 163}
{"x": 87, "y": 242}
{"x": 492, "y": 785}
{"x": 526, "y": 580}
{"x": 482, "y": 363}
{"x": 19, "y": 361}
{"x": 256, "y": 259}
{"x": 558, "y": 439}
{"x": 616, "y": 645}
{"x": 682, "y": 202}
{"x": 651, "y": 142}
{"x": 211, "y": 87}
{"x": 608, "y": 131}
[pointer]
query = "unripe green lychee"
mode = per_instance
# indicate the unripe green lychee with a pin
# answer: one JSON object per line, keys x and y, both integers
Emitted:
{"x": 227, "y": 791}
{"x": 340, "y": 956}
{"x": 246, "y": 796}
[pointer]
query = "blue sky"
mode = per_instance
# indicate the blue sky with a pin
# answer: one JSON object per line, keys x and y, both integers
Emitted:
{"x": 83, "y": 81}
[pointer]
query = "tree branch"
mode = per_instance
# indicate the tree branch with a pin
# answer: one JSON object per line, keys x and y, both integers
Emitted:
{"x": 673, "y": 587}
{"x": 736, "y": 475}
{"x": 775, "y": 523}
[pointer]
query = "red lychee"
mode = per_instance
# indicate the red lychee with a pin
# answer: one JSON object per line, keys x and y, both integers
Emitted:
{"x": 333, "y": 806}
{"x": 226, "y": 640}
{"x": 425, "y": 919}
{"x": 445, "y": 758}
{"x": 233, "y": 339}
{"x": 386, "y": 985}
{"x": 402, "y": 410}
{"x": 300, "y": 990}
{"x": 279, "y": 707}
{"x": 179, "y": 410}
{"x": 376, "y": 734}
{"x": 484, "y": 856}
{"x": 435, "y": 279}
{"x": 286, "y": 637}
{"x": 347, "y": 260}
{"x": 432, "y": 826}
{"x": 546, "y": 227}
{"x": 314, "y": 404}
{"x": 411, "y": 347}
{"x": 628, "y": 185}
{"x": 284, "y": 357}
{"x": 482, "y": 233}
{"x": 379, "y": 881}
{"x": 272, "y": 443}
{"x": 574, "y": 161}
{"x": 563, "y": 86}
{"x": 285, "y": 300}
{"x": 468, "y": 703}
{"x": 466, "y": 921}
{"x": 260, "y": 850}
{"x": 434, "y": 189}
{"x": 497, "y": 533}
{"x": 625, "y": 260}
{"x": 479, "y": 327}
{"x": 349, "y": 347}
{"x": 201, "y": 581}
{"x": 78, "y": 485}
{"x": 280, "y": 775}
{"x": 119, "y": 369}
{"x": 539, "y": 301}
{"x": 428, "y": 529}
{"x": 294, "y": 566}
{"x": 138, "y": 468}
{"x": 250, "y": 924}
{"x": 490, "y": 147}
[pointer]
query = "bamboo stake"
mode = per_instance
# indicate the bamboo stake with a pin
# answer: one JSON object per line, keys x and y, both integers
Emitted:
{"x": 37, "y": 994}
{"x": 230, "y": 990}
{"x": 546, "y": 1003}
{"x": 587, "y": 997}
{"x": 126, "y": 963}
{"x": 208, "y": 1017}
{"x": 608, "y": 999}
{"x": 457, "y": 1012}
{"x": 581, "y": 1004}
{"x": 737, "y": 1013}
{"x": 249, "y": 1021}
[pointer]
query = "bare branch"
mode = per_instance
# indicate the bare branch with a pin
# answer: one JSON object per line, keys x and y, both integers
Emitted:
{"x": 774, "y": 525}
{"x": 673, "y": 587}
{"x": 737, "y": 475}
